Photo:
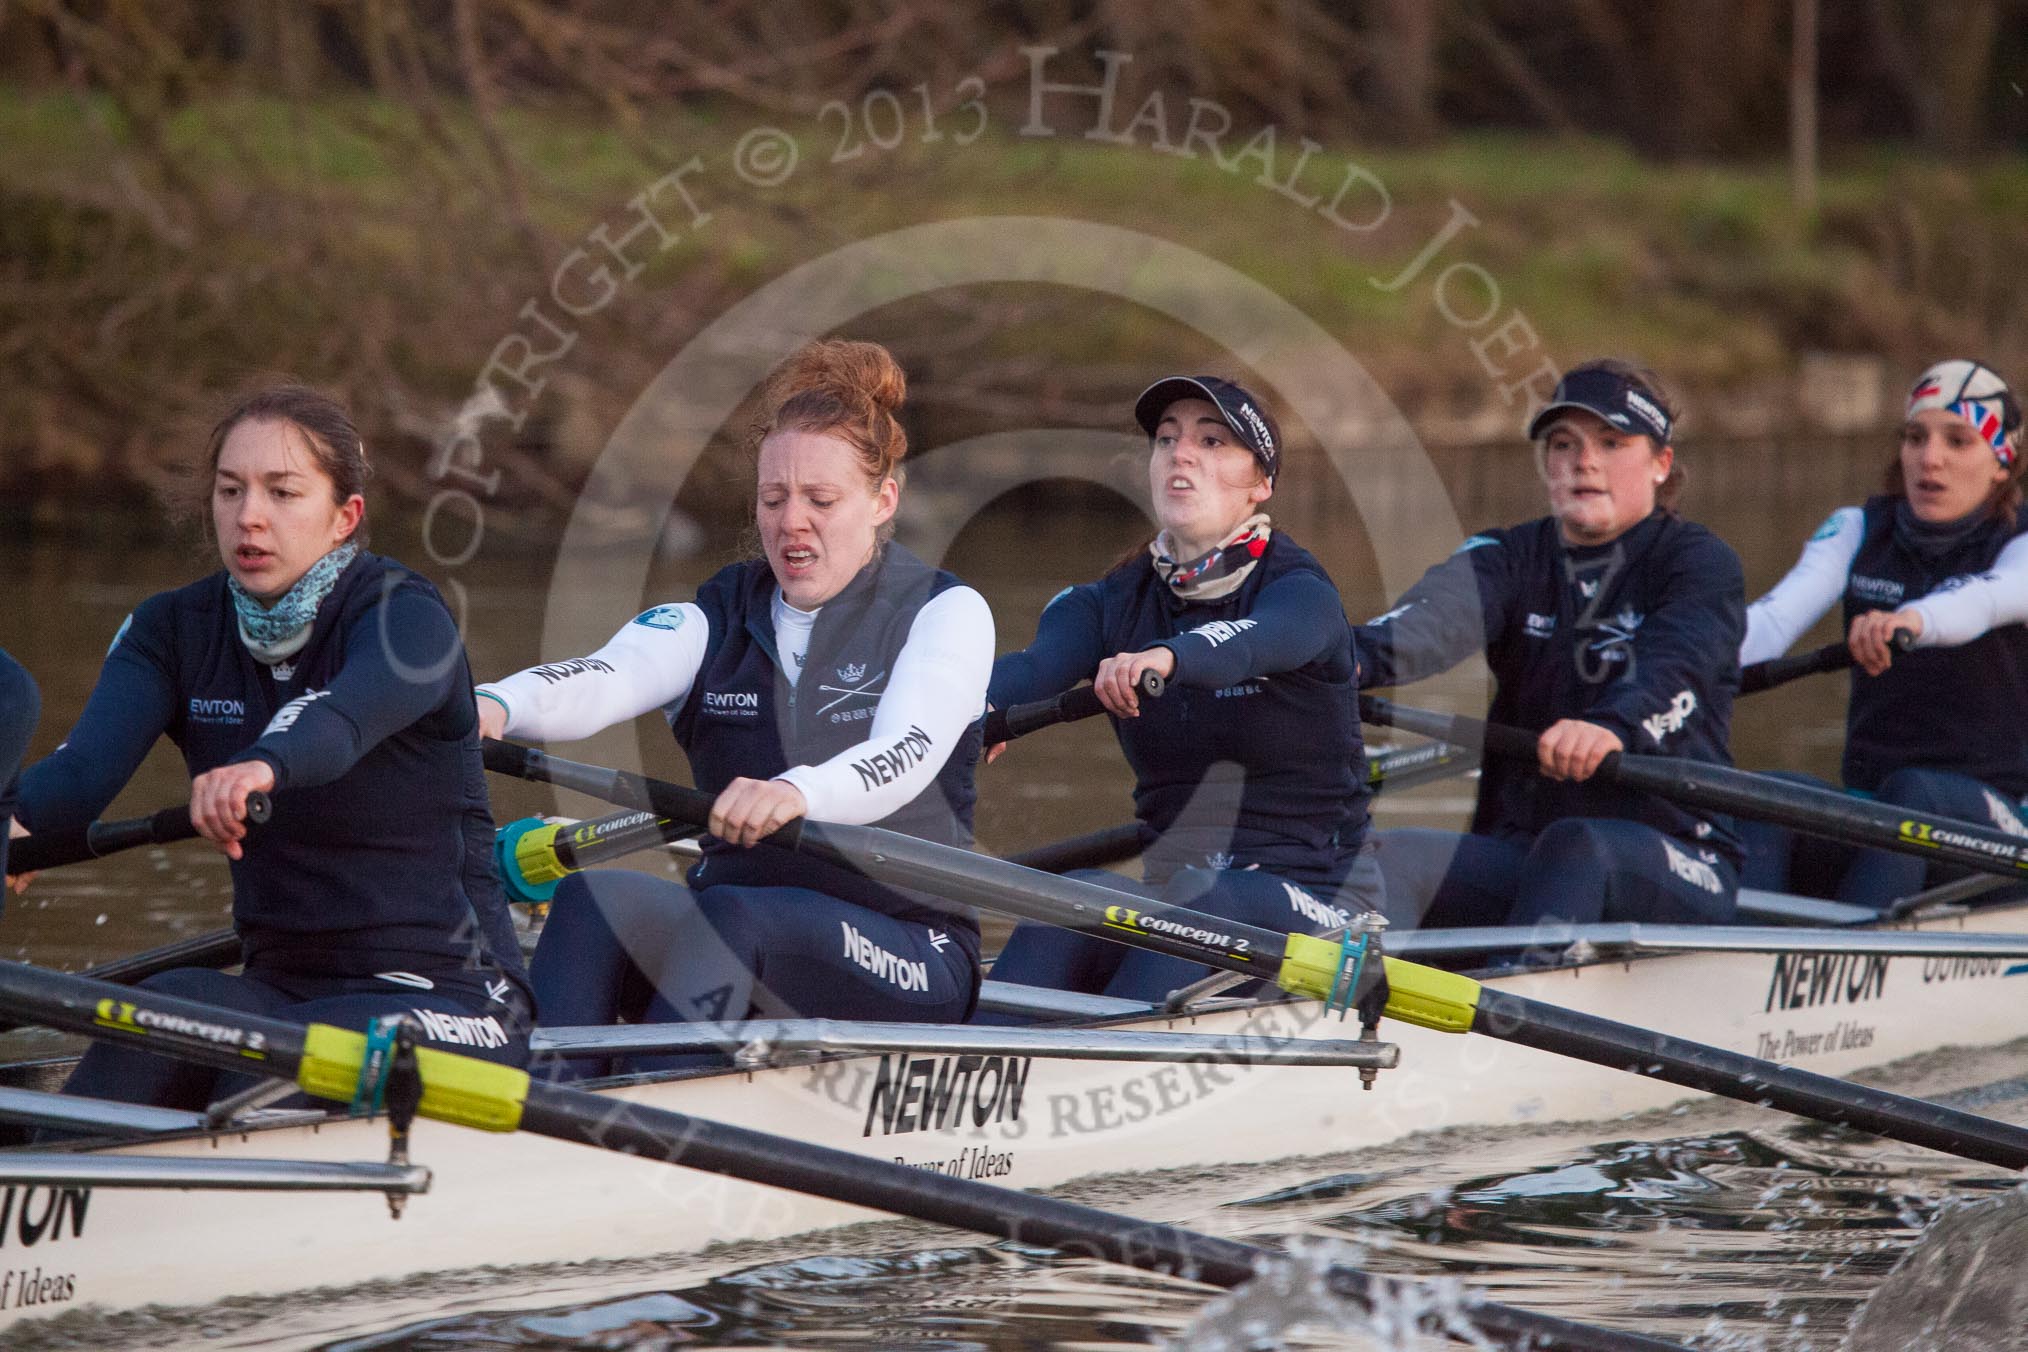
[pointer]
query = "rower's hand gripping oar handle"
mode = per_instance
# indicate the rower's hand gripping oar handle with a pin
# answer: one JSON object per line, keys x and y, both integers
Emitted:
{"x": 71, "y": 845}
{"x": 1004, "y": 725}
{"x": 1758, "y": 676}
{"x": 1721, "y": 788}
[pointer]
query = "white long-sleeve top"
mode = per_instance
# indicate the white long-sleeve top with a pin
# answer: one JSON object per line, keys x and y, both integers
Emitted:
{"x": 1958, "y": 610}
{"x": 938, "y": 684}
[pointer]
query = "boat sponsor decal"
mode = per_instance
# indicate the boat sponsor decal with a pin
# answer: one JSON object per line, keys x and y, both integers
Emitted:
{"x": 1140, "y": 922}
{"x": 23, "y": 1287}
{"x": 731, "y": 704}
{"x": 1222, "y": 631}
{"x": 34, "y": 1215}
{"x": 1961, "y": 969}
{"x": 884, "y": 767}
{"x": 1791, "y": 1043}
{"x": 971, "y": 1162}
{"x": 1805, "y": 980}
{"x": 131, "y": 1018}
{"x": 461, "y": 1030}
{"x": 1883, "y": 589}
{"x": 1697, "y": 872}
{"x": 217, "y": 711}
{"x": 906, "y": 974}
{"x": 1671, "y": 720}
{"x": 944, "y": 1093}
{"x": 286, "y": 716}
{"x": 554, "y": 672}
{"x": 1934, "y": 836}
{"x": 1144, "y": 1092}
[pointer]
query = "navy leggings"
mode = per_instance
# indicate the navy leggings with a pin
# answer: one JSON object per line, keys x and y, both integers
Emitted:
{"x": 1778, "y": 859}
{"x": 19, "y": 704}
{"x": 469, "y": 1024}
{"x": 1579, "y": 871}
{"x": 1059, "y": 959}
{"x": 622, "y": 946}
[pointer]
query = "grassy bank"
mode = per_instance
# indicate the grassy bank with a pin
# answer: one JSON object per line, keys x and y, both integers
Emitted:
{"x": 363, "y": 245}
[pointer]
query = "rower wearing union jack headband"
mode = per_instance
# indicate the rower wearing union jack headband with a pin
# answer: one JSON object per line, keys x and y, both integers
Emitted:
{"x": 1938, "y": 555}
{"x": 1245, "y": 785}
{"x": 1612, "y": 624}
{"x": 838, "y": 678}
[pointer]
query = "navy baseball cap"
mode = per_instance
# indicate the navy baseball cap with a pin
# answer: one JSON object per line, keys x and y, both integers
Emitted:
{"x": 1251, "y": 423}
{"x": 1621, "y": 400}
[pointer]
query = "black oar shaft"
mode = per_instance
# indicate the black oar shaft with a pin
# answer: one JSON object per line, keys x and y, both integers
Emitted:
{"x": 1720, "y": 788}
{"x": 957, "y": 875}
{"x": 1024, "y": 1218}
{"x": 71, "y": 845}
{"x": 1759, "y": 676}
{"x": 474, "y": 1092}
{"x": 1529, "y": 1023}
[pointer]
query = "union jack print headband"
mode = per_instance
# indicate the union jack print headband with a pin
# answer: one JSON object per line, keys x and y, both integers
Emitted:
{"x": 1973, "y": 391}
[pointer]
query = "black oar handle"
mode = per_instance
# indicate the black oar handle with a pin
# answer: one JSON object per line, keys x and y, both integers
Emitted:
{"x": 1456, "y": 729}
{"x": 71, "y": 845}
{"x": 1758, "y": 676}
{"x": 1004, "y": 725}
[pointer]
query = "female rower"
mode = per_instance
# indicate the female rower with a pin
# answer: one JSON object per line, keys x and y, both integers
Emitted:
{"x": 1244, "y": 782}
{"x": 333, "y": 679}
{"x": 1937, "y": 555}
{"x": 838, "y": 677}
{"x": 1610, "y": 625}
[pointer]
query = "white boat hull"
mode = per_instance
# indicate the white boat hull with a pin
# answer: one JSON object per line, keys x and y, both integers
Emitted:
{"x": 517, "y": 1199}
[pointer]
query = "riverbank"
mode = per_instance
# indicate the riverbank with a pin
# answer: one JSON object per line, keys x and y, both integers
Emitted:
{"x": 394, "y": 256}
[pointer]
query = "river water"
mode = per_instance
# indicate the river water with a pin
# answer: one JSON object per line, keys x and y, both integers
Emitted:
{"x": 1713, "y": 1226}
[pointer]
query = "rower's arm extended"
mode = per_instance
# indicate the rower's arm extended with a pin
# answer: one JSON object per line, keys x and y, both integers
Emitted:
{"x": 1967, "y": 607}
{"x": 936, "y": 691}
{"x": 403, "y": 658}
{"x": 649, "y": 664}
{"x": 129, "y": 708}
{"x": 1295, "y": 620}
{"x": 1457, "y": 608}
{"x": 1680, "y": 655}
{"x": 1069, "y": 644}
{"x": 1813, "y": 586}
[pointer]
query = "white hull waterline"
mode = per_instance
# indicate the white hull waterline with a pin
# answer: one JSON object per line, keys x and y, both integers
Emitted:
{"x": 1023, "y": 1122}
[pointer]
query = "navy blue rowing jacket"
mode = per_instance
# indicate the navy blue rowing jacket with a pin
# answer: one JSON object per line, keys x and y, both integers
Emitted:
{"x": 1959, "y": 709}
{"x": 1249, "y": 758}
{"x": 380, "y": 853}
{"x": 742, "y": 718}
{"x": 1640, "y": 636}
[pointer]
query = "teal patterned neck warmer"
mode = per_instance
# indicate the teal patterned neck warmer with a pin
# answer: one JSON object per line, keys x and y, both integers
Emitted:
{"x": 274, "y": 632}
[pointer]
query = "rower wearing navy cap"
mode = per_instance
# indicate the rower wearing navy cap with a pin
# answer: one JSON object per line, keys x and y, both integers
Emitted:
{"x": 334, "y": 680}
{"x": 1244, "y": 769}
{"x": 1939, "y": 555}
{"x": 1611, "y": 624}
